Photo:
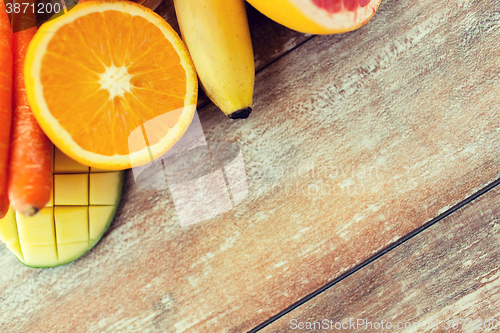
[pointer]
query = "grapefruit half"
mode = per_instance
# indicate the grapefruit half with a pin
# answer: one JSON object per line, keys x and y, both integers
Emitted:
{"x": 319, "y": 17}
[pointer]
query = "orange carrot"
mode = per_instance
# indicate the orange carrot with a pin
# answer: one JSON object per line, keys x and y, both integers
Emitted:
{"x": 30, "y": 168}
{"x": 5, "y": 104}
{"x": 8, "y": 5}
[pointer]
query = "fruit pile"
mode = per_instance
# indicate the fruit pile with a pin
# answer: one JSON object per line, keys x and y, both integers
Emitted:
{"x": 113, "y": 86}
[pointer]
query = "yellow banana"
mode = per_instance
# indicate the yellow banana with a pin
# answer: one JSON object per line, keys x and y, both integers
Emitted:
{"x": 218, "y": 38}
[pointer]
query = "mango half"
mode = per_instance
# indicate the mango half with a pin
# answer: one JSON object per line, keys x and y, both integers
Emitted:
{"x": 84, "y": 202}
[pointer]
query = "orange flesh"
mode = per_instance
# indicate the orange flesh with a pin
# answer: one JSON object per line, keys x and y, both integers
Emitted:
{"x": 133, "y": 51}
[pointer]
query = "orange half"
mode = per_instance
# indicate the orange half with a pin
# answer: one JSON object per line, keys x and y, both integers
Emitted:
{"x": 98, "y": 74}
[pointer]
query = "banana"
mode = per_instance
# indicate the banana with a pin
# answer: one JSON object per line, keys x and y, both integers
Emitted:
{"x": 217, "y": 35}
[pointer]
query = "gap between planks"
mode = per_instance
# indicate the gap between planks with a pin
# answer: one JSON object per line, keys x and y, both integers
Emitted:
{"x": 376, "y": 256}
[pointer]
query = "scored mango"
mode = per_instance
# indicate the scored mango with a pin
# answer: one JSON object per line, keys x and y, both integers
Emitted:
{"x": 83, "y": 204}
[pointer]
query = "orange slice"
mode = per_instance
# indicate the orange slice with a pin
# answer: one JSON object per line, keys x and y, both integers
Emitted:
{"x": 318, "y": 16}
{"x": 98, "y": 75}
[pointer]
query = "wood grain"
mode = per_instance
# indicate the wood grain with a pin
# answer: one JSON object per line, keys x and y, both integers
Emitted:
{"x": 448, "y": 272}
{"x": 355, "y": 141}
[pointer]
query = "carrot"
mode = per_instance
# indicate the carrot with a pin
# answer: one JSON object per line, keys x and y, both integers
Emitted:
{"x": 5, "y": 103}
{"x": 8, "y": 4}
{"x": 30, "y": 168}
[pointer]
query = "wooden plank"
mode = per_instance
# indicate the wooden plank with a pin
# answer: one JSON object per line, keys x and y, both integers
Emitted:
{"x": 447, "y": 275}
{"x": 355, "y": 141}
{"x": 271, "y": 40}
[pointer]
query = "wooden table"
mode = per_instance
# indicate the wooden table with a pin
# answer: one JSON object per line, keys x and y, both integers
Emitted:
{"x": 372, "y": 162}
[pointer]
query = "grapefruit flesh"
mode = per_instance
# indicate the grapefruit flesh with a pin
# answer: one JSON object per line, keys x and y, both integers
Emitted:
{"x": 335, "y": 6}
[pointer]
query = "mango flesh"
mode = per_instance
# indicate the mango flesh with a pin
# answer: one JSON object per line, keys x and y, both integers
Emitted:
{"x": 84, "y": 202}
